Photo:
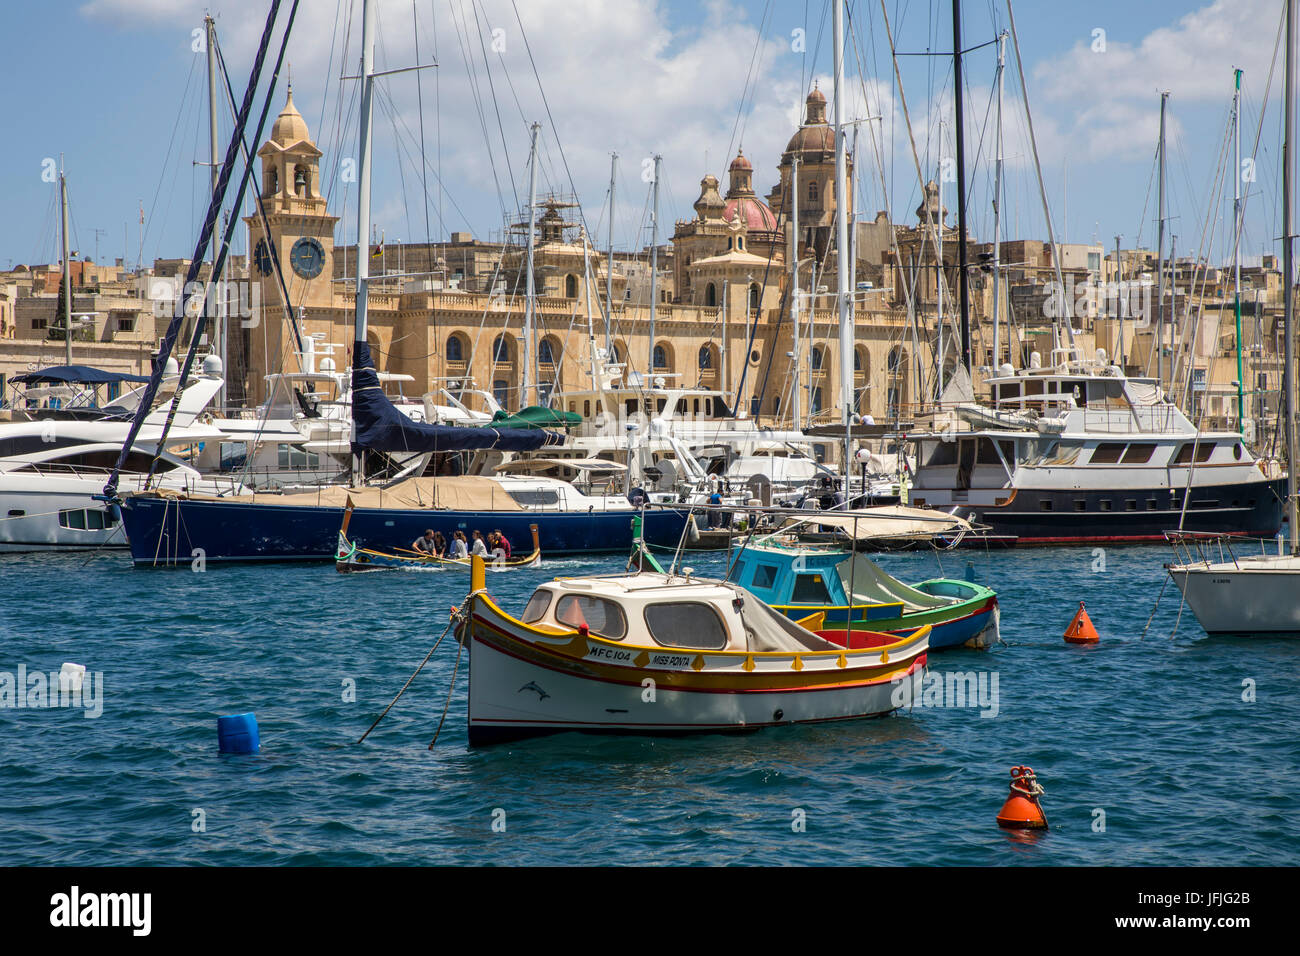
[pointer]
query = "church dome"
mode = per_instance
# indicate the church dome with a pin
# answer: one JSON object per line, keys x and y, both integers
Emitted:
{"x": 754, "y": 213}
{"x": 289, "y": 126}
{"x": 815, "y": 136}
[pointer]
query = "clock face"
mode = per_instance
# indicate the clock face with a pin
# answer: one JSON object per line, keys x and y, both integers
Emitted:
{"x": 262, "y": 257}
{"x": 307, "y": 257}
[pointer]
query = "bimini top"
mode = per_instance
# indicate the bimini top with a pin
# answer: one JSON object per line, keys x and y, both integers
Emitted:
{"x": 76, "y": 375}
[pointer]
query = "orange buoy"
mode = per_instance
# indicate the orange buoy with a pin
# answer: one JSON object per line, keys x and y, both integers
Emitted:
{"x": 1021, "y": 811}
{"x": 1081, "y": 630}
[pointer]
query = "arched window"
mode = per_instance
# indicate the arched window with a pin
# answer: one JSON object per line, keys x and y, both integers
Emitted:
{"x": 754, "y": 293}
{"x": 861, "y": 360}
{"x": 706, "y": 356}
{"x": 816, "y": 399}
{"x": 501, "y": 353}
{"x": 812, "y": 190}
{"x": 816, "y": 357}
{"x": 300, "y": 181}
{"x": 455, "y": 349}
{"x": 661, "y": 357}
{"x": 711, "y": 296}
{"x": 272, "y": 181}
{"x": 571, "y": 286}
{"x": 897, "y": 361}
{"x": 546, "y": 351}
{"x": 616, "y": 353}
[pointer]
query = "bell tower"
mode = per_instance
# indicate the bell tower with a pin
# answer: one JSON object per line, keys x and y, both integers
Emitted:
{"x": 302, "y": 235}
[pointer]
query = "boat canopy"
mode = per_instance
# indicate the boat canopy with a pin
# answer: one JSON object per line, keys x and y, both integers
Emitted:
{"x": 536, "y": 416}
{"x": 886, "y": 522}
{"x": 379, "y": 426}
{"x": 76, "y": 375}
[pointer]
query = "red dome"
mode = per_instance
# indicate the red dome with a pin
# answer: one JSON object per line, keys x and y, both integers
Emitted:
{"x": 757, "y": 215}
{"x": 740, "y": 162}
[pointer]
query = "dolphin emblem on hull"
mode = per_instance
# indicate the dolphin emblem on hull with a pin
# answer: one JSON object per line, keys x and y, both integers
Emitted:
{"x": 532, "y": 685}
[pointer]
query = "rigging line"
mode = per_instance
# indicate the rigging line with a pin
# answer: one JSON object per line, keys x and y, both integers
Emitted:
{"x": 555, "y": 130}
{"x": 168, "y": 155}
{"x": 496, "y": 106}
{"x": 419, "y": 101}
{"x": 751, "y": 78}
{"x": 437, "y": 114}
{"x": 462, "y": 40}
{"x": 276, "y": 267}
{"x": 200, "y": 250}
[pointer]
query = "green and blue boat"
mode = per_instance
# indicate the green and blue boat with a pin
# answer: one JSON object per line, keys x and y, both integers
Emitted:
{"x": 800, "y": 581}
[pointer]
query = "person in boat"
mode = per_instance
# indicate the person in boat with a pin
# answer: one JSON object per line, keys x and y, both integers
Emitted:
{"x": 439, "y": 545}
{"x": 637, "y": 496}
{"x": 459, "y": 548}
{"x": 425, "y": 543}
{"x": 479, "y": 547}
{"x": 499, "y": 540}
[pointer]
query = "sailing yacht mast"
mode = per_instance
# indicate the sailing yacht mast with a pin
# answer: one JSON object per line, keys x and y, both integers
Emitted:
{"x": 1288, "y": 281}
{"x": 609, "y": 260}
{"x": 1236, "y": 245}
{"x": 796, "y": 403}
{"x": 654, "y": 273}
{"x": 210, "y": 34}
{"x": 363, "y": 190}
{"x": 1160, "y": 252}
{"x": 529, "y": 379}
{"x": 842, "y": 202}
{"x": 67, "y": 268}
{"x": 997, "y": 210}
{"x": 963, "y": 281}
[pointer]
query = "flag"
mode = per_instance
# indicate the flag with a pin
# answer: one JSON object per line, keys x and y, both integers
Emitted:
{"x": 379, "y": 250}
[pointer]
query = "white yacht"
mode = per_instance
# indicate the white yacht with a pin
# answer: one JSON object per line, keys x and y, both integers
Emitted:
{"x": 54, "y": 462}
{"x": 1076, "y": 452}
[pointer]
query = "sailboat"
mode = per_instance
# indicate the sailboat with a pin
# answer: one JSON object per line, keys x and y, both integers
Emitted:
{"x": 168, "y": 528}
{"x": 1256, "y": 594}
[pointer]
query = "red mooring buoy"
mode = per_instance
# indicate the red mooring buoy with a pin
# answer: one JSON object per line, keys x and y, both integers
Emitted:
{"x": 1081, "y": 630}
{"x": 1022, "y": 811}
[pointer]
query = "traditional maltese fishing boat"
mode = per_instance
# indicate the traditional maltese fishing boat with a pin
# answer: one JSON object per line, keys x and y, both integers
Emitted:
{"x": 854, "y": 592}
{"x": 662, "y": 653}
{"x": 352, "y": 556}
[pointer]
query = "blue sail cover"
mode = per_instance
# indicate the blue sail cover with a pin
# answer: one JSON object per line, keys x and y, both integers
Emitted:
{"x": 379, "y": 426}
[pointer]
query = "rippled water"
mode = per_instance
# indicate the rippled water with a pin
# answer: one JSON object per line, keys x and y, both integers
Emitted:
{"x": 1154, "y": 732}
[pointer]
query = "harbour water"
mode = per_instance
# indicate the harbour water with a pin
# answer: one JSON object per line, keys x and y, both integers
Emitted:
{"x": 1157, "y": 738}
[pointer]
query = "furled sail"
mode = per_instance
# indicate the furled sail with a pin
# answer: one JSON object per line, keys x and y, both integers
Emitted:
{"x": 379, "y": 426}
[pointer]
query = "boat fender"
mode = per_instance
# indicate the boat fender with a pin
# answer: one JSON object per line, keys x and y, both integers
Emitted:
{"x": 1022, "y": 810}
{"x": 778, "y": 714}
{"x": 1081, "y": 630}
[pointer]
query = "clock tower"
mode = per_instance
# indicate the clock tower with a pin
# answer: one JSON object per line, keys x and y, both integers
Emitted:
{"x": 302, "y": 236}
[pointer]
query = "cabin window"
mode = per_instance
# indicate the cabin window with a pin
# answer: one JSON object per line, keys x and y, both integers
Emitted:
{"x": 1131, "y": 505}
{"x": 1080, "y": 504}
{"x": 586, "y": 408}
{"x": 1105, "y": 504}
{"x": 686, "y": 624}
{"x": 537, "y": 605}
{"x": 537, "y": 499}
{"x": 943, "y": 453}
{"x": 810, "y": 589}
{"x": 660, "y": 405}
{"x": 16, "y": 512}
{"x": 1139, "y": 453}
{"x": 292, "y": 457}
{"x": 737, "y": 572}
{"x": 1045, "y": 504}
{"x": 76, "y": 520}
{"x": 1107, "y": 453}
{"x": 1236, "y": 451}
{"x": 764, "y": 575}
{"x": 603, "y": 618}
{"x": 1203, "y": 452}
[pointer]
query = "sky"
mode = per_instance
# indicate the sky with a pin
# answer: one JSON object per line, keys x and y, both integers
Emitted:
{"x": 117, "y": 90}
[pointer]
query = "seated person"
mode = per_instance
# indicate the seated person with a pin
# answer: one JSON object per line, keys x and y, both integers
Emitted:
{"x": 425, "y": 543}
{"x": 459, "y": 549}
{"x": 479, "y": 547}
{"x": 439, "y": 544}
{"x": 499, "y": 540}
